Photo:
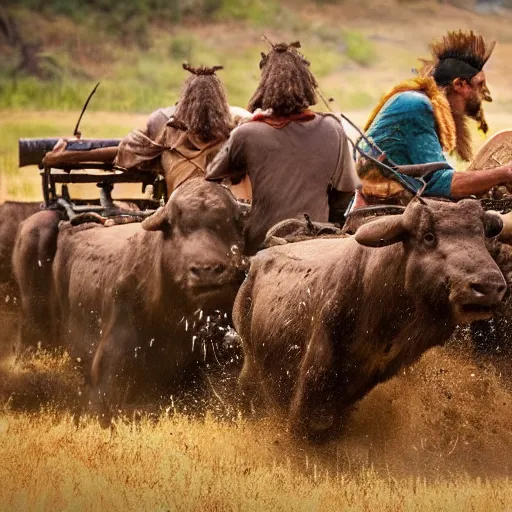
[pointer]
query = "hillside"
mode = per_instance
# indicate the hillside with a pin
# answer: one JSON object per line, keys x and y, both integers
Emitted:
{"x": 357, "y": 48}
{"x": 52, "y": 54}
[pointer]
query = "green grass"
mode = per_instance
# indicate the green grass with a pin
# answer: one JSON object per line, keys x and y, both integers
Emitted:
{"x": 24, "y": 183}
{"x": 140, "y": 70}
{"x": 259, "y": 12}
{"x": 359, "y": 48}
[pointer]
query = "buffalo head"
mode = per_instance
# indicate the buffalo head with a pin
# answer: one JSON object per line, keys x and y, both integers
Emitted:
{"x": 447, "y": 264}
{"x": 202, "y": 228}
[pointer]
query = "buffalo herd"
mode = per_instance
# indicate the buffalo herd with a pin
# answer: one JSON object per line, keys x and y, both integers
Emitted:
{"x": 322, "y": 315}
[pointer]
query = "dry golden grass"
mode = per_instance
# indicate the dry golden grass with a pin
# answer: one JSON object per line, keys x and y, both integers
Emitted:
{"x": 182, "y": 464}
{"x": 437, "y": 437}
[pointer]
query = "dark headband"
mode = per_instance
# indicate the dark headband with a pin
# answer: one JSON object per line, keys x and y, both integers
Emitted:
{"x": 449, "y": 69}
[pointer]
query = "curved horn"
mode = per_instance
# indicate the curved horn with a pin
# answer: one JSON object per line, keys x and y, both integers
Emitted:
{"x": 381, "y": 232}
{"x": 158, "y": 221}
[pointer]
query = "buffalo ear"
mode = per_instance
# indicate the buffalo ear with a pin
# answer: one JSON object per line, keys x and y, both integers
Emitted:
{"x": 157, "y": 222}
{"x": 494, "y": 223}
{"x": 381, "y": 232}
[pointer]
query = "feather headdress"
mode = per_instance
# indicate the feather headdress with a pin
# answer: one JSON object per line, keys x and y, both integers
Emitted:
{"x": 458, "y": 52}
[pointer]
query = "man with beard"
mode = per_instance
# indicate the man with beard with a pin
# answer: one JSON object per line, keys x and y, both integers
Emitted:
{"x": 298, "y": 161}
{"x": 179, "y": 142}
{"x": 421, "y": 118}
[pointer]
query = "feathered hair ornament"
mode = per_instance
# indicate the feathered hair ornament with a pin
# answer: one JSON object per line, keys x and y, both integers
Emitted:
{"x": 201, "y": 70}
{"x": 460, "y": 54}
{"x": 281, "y": 48}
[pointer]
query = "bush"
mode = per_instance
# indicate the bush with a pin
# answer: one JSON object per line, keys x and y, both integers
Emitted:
{"x": 358, "y": 48}
{"x": 182, "y": 48}
{"x": 260, "y": 12}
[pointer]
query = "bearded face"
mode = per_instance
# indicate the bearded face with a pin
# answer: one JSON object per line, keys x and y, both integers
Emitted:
{"x": 473, "y": 105}
{"x": 478, "y": 93}
{"x": 466, "y": 97}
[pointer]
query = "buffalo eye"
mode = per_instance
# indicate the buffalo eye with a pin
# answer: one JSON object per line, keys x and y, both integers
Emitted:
{"x": 429, "y": 239}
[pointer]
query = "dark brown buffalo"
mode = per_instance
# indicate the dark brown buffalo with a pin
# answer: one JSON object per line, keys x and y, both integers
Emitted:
{"x": 12, "y": 214}
{"x": 32, "y": 260}
{"x": 127, "y": 295}
{"x": 323, "y": 321}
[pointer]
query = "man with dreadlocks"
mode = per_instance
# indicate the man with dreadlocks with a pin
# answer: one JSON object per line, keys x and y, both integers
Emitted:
{"x": 421, "y": 118}
{"x": 200, "y": 125}
{"x": 185, "y": 137}
{"x": 298, "y": 161}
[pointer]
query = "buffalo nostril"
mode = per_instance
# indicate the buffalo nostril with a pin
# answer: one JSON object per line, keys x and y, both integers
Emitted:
{"x": 488, "y": 288}
{"x": 502, "y": 288}
{"x": 478, "y": 287}
{"x": 219, "y": 269}
{"x": 194, "y": 270}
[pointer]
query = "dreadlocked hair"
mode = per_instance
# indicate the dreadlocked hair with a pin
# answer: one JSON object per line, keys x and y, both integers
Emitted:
{"x": 459, "y": 54}
{"x": 287, "y": 86}
{"x": 203, "y": 109}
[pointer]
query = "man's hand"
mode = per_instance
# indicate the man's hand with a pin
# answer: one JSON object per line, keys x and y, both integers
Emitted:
{"x": 466, "y": 184}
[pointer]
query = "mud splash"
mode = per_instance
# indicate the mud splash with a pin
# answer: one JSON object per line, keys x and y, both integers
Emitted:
{"x": 449, "y": 414}
{"x": 39, "y": 379}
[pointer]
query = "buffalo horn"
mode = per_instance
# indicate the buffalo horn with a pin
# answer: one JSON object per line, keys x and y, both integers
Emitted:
{"x": 381, "y": 232}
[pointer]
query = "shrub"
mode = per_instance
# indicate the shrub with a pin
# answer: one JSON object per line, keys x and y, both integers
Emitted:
{"x": 358, "y": 48}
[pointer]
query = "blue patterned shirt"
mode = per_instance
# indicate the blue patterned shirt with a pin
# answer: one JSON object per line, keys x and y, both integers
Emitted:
{"x": 405, "y": 130}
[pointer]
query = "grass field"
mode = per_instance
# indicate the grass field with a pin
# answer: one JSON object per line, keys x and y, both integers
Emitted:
{"x": 435, "y": 438}
{"x": 25, "y": 184}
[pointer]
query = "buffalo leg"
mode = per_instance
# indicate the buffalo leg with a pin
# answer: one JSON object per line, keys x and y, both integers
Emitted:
{"x": 249, "y": 382}
{"x": 112, "y": 368}
{"x": 33, "y": 255}
{"x": 312, "y": 410}
{"x": 250, "y": 387}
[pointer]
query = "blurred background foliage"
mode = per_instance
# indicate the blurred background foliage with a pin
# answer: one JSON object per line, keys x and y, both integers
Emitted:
{"x": 53, "y": 51}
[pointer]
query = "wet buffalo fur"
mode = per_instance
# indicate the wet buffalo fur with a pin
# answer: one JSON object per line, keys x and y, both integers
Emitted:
{"x": 12, "y": 214}
{"x": 127, "y": 296}
{"x": 203, "y": 109}
{"x": 32, "y": 261}
{"x": 325, "y": 320}
{"x": 287, "y": 85}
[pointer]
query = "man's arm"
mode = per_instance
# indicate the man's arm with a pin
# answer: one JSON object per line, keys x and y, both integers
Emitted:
{"x": 229, "y": 161}
{"x": 478, "y": 182}
{"x": 345, "y": 178}
{"x": 448, "y": 183}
